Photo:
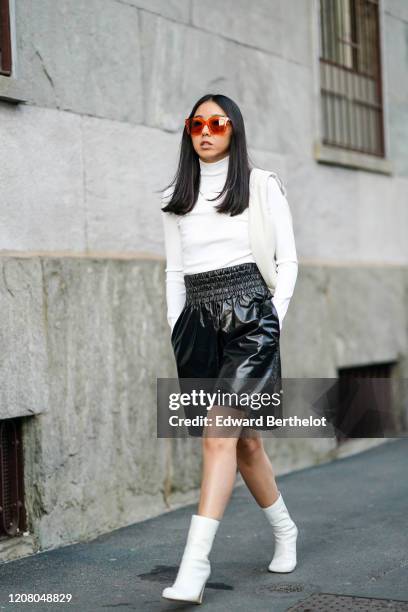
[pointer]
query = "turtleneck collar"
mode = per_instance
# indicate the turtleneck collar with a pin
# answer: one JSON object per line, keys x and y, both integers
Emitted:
{"x": 214, "y": 168}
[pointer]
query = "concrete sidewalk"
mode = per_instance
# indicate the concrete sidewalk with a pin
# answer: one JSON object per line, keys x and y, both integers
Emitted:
{"x": 352, "y": 516}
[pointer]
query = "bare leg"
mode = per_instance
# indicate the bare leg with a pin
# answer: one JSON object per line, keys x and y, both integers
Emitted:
{"x": 256, "y": 470}
{"x": 219, "y": 466}
{"x": 219, "y": 474}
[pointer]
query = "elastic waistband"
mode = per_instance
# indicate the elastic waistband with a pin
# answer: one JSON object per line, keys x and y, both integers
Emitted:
{"x": 222, "y": 283}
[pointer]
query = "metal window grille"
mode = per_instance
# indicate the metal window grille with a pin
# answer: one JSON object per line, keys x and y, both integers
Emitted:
{"x": 365, "y": 401}
{"x": 5, "y": 38}
{"x": 12, "y": 512}
{"x": 350, "y": 75}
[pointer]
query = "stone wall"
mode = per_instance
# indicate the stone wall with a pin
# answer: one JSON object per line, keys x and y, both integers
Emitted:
{"x": 85, "y": 340}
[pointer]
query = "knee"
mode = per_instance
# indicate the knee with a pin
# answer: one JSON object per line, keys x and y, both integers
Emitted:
{"x": 215, "y": 445}
{"x": 248, "y": 449}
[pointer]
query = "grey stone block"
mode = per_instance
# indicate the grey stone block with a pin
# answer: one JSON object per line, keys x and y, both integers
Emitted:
{"x": 271, "y": 26}
{"x": 177, "y": 10}
{"x": 93, "y": 461}
{"x": 124, "y": 167}
{"x": 82, "y": 56}
{"x": 41, "y": 177}
{"x": 24, "y": 343}
{"x": 395, "y": 34}
{"x": 396, "y": 8}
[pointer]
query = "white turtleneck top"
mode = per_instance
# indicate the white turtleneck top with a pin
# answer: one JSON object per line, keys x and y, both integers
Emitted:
{"x": 204, "y": 239}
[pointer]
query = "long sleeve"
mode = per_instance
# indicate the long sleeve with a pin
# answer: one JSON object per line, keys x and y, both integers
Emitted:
{"x": 175, "y": 288}
{"x": 286, "y": 256}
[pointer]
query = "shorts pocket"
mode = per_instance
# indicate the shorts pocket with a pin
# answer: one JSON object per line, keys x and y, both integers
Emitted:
{"x": 177, "y": 323}
{"x": 276, "y": 312}
{"x": 271, "y": 316}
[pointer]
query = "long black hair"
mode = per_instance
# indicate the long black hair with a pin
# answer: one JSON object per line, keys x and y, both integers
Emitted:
{"x": 187, "y": 177}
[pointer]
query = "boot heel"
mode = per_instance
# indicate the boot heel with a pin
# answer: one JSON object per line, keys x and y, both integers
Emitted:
{"x": 200, "y": 597}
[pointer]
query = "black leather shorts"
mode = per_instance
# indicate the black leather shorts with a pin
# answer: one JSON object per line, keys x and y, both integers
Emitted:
{"x": 228, "y": 330}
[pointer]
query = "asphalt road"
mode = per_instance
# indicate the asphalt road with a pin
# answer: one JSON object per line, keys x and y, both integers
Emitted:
{"x": 352, "y": 516}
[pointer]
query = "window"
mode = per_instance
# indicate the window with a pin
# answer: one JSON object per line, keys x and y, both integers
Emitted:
{"x": 365, "y": 405}
{"x": 5, "y": 39}
{"x": 350, "y": 76}
{"x": 12, "y": 512}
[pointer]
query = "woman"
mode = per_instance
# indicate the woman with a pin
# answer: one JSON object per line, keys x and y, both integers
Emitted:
{"x": 224, "y": 322}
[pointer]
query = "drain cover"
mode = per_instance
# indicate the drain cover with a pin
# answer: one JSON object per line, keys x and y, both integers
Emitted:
{"x": 281, "y": 587}
{"x": 323, "y": 602}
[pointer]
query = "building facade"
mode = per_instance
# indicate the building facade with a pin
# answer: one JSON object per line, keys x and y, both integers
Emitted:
{"x": 93, "y": 96}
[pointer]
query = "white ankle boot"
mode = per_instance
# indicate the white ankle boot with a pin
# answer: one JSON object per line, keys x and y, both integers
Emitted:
{"x": 285, "y": 532}
{"x": 194, "y": 569}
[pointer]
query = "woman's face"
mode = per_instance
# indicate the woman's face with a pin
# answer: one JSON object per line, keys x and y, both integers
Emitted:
{"x": 219, "y": 143}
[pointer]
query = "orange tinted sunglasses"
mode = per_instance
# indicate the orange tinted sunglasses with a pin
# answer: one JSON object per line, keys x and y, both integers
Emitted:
{"x": 217, "y": 124}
